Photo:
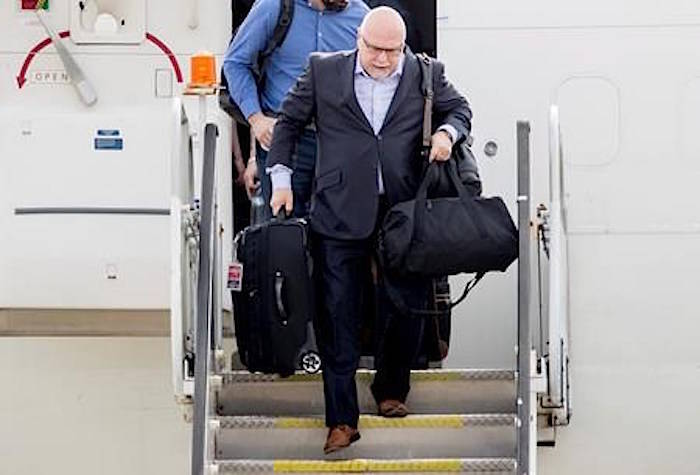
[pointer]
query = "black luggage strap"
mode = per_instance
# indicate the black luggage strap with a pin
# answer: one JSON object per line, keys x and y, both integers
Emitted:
{"x": 426, "y": 66}
{"x": 398, "y": 301}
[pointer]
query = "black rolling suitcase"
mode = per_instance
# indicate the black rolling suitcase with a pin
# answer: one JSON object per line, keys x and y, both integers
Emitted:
{"x": 273, "y": 298}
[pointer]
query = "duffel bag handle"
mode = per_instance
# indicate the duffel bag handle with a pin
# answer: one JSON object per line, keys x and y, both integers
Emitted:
{"x": 422, "y": 196}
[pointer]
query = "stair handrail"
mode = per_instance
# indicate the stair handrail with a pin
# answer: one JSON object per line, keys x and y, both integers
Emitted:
{"x": 204, "y": 315}
{"x": 181, "y": 316}
{"x": 558, "y": 298}
{"x": 524, "y": 345}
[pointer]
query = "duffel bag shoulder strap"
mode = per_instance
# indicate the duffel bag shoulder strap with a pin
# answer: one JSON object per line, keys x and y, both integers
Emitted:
{"x": 397, "y": 299}
{"x": 426, "y": 68}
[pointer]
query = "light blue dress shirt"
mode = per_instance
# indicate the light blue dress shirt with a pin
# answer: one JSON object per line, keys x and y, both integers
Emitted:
{"x": 374, "y": 97}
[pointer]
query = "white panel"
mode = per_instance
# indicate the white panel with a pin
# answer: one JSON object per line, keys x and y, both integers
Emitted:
{"x": 689, "y": 130}
{"x": 590, "y": 115}
{"x": 484, "y": 326}
{"x": 164, "y": 83}
{"x": 499, "y": 73}
{"x": 556, "y": 14}
{"x": 59, "y": 164}
{"x": 63, "y": 260}
{"x": 635, "y": 358}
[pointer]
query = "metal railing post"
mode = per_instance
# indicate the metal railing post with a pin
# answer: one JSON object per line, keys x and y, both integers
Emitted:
{"x": 204, "y": 303}
{"x": 524, "y": 343}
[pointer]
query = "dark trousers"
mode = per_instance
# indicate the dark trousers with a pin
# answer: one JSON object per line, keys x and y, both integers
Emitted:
{"x": 340, "y": 271}
{"x": 398, "y": 337}
{"x": 302, "y": 178}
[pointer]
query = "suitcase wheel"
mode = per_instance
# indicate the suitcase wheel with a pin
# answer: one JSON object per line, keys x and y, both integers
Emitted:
{"x": 311, "y": 362}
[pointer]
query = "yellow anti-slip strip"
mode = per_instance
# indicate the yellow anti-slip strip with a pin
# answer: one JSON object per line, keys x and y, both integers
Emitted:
{"x": 360, "y": 465}
{"x": 425, "y": 375}
{"x": 375, "y": 422}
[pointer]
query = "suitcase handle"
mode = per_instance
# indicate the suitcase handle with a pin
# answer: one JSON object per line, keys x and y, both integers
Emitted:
{"x": 282, "y": 214}
{"x": 279, "y": 288}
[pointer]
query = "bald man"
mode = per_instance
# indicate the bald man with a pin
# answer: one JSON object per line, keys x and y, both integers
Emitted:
{"x": 368, "y": 108}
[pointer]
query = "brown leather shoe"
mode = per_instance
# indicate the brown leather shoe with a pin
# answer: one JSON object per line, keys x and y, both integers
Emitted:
{"x": 392, "y": 408}
{"x": 340, "y": 437}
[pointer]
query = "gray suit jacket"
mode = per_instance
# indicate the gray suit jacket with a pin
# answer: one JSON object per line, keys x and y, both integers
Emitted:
{"x": 345, "y": 200}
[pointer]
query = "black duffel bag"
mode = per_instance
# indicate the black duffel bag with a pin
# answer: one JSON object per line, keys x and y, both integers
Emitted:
{"x": 448, "y": 235}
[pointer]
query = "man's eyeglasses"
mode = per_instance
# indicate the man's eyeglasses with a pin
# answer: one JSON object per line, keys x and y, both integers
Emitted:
{"x": 376, "y": 50}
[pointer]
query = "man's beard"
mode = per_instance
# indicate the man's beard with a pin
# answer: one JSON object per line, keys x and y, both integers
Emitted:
{"x": 335, "y": 5}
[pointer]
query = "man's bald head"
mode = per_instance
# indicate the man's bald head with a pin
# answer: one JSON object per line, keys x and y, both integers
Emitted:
{"x": 385, "y": 22}
{"x": 380, "y": 41}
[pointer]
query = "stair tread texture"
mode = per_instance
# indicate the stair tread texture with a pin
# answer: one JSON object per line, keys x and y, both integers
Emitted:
{"x": 418, "y": 436}
{"x": 493, "y": 466}
{"x": 432, "y": 392}
{"x": 367, "y": 375}
{"x": 371, "y": 422}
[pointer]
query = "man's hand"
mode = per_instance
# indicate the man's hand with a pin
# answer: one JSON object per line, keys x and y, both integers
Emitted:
{"x": 441, "y": 148}
{"x": 250, "y": 177}
{"x": 262, "y": 128}
{"x": 282, "y": 197}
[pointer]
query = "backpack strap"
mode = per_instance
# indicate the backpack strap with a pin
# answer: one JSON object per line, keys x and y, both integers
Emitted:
{"x": 284, "y": 20}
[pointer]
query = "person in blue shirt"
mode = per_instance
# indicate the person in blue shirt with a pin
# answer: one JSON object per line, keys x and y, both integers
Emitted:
{"x": 317, "y": 25}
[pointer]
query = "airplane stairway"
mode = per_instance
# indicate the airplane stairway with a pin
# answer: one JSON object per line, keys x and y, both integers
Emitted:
{"x": 463, "y": 421}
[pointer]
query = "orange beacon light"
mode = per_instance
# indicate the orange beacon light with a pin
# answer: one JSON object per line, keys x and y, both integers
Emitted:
{"x": 203, "y": 70}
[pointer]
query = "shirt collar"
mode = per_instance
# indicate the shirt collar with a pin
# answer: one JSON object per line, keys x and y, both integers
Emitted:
{"x": 359, "y": 70}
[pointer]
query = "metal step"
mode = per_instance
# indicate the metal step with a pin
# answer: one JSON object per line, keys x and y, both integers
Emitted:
{"x": 419, "y": 436}
{"x": 460, "y": 465}
{"x": 432, "y": 392}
